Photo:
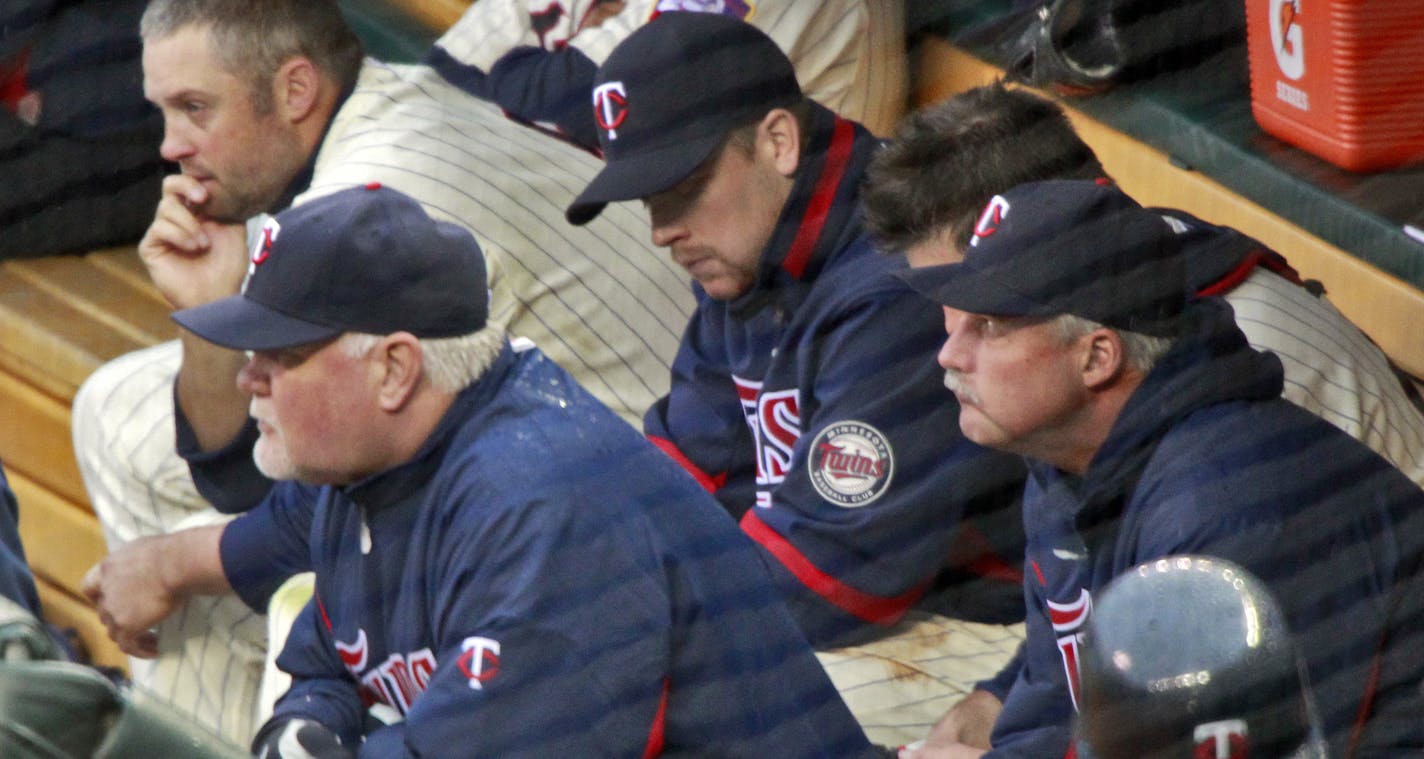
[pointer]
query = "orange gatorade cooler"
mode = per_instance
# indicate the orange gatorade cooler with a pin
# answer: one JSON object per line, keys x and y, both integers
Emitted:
{"x": 1343, "y": 79}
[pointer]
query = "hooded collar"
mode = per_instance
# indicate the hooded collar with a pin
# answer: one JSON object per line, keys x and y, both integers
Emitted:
{"x": 1209, "y": 364}
{"x": 397, "y": 483}
{"x": 822, "y": 214}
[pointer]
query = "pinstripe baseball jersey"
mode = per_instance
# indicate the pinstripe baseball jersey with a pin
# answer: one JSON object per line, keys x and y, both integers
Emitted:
{"x": 849, "y": 54}
{"x": 1332, "y": 369}
{"x": 598, "y": 300}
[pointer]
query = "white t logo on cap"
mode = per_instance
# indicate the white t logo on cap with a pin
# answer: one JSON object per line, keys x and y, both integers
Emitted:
{"x": 610, "y": 107}
{"x": 990, "y": 220}
{"x": 263, "y": 246}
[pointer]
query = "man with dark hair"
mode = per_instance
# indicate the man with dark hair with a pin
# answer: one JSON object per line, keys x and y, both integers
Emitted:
{"x": 1153, "y": 429}
{"x": 500, "y": 561}
{"x": 931, "y": 182}
{"x": 800, "y": 396}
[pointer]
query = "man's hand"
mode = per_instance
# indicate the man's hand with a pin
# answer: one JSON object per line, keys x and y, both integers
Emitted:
{"x": 191, "y": 259}
{"x": 138, "y": 585}
{"x": 963, "y": 731}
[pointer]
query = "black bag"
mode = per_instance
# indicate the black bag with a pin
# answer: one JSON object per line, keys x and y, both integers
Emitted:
{"x": 1081, "y": 46}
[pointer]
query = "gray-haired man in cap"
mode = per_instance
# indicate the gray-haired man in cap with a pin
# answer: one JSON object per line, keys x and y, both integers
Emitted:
{"x": 1152, "y": 428}
{"x": 802, "y": 394}
{"x": 502, "y": 564}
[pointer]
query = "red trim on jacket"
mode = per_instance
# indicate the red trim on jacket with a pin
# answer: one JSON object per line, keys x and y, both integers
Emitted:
{"x": 1367, "y": 703}
{"x": 710, "y": 483}
{"x": 863, "y": 606}
{"x": 813, "y": 221}
{"x": 987, "y": 562}
{"x": 1236, "y": 276}
{"x": 656, "y": 735}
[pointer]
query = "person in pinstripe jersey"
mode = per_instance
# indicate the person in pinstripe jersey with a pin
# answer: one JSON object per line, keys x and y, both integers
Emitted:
{"x": 259, "y": 121}
{"x": 849, "y": 54}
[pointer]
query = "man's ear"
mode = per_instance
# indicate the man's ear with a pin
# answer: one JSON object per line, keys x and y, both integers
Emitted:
{"x": 1103, "y": 360}
{"x": 296, "y": 89}
{"x": 779, "y": 140}
{"x": 400, "y": 367}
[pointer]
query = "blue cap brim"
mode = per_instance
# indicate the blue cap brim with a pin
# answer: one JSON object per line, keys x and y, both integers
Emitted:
{"x": 965, "y": 288}
{"x": 242, "y": 324}
{"x": 640, "y": 176}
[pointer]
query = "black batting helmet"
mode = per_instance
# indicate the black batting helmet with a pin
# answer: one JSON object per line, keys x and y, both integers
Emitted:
{"x": 1190, "y": 657}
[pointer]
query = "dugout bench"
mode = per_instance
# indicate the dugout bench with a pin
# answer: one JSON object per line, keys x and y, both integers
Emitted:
{"x": 61, "y": 317}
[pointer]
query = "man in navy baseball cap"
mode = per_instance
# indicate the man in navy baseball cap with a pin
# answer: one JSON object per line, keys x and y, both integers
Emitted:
{"x": 366, "y": 259}
{"x": 1152, "y": 428}
{"x": 1066, "y": 247}
{"x": 486, "y": 523}
{"x": 667, "y": 97}
{"x": 801, "y": 395}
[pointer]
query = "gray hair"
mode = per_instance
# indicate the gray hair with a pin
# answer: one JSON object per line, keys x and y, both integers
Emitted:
{"x": 450, "y": 363}
{"x": 1141, "y": 352}
{"x": 253, "y": 38}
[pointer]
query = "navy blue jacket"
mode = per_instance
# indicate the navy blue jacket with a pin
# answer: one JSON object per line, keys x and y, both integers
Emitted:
{"x": 540, "y": 581}
{"x": 813, "y": 408}
{"x": 1206, "y": 458}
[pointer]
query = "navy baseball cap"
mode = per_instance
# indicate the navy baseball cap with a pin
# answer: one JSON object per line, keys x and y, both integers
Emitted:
{"x": 365, "y": 259}
{"x": 1066, "y": 247}
{"x": 668, "y": 95}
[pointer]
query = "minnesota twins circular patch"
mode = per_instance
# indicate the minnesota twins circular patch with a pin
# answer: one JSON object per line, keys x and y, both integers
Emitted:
{"x": 850, "y": 464}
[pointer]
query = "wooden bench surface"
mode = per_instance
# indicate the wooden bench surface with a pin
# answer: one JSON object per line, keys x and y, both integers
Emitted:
{"x": 60, "y": 319}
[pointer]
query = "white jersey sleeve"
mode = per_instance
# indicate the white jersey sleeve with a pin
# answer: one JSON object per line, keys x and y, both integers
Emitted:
{"x": 849, "y": 54}
{"x": 599, "y": 299}
{"x": 1332, "y": 369}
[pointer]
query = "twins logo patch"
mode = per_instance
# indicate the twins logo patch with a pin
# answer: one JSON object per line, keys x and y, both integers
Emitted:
{"x": 850, "y": 464}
